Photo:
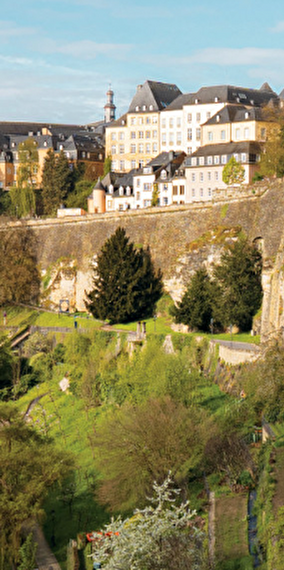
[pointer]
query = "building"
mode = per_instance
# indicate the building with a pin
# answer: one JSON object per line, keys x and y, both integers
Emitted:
{"x": 204, "y": 167}
{"x": 134, "y": 138}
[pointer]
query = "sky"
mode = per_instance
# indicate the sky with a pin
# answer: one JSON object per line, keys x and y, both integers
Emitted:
{"x": 58, "y": 57}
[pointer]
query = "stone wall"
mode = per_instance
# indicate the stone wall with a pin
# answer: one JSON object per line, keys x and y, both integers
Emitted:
{"x": 181, "y": 238}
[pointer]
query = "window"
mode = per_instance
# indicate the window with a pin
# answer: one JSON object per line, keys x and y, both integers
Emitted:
{"x": 141, "y": 148}
{"x": 193, "y": 161}
{"x": 193, "y": 192}
{"x": 155, "y": 134}
{"x": 133, "y": 121}
{"x": 140, "y": 121}
{"x": 121, "y": 136}
{"x": 201, "y": 161}
{"x": 83, "y": 154}
{"x": 148, "y": 134}
{"x": 216, "y": 175}
{"x": 164, "y": 138}
{"x": 133, "y": 148}
{"x": 122, "y": 165}
{"x": 224, "y": 159}
{"x": 179, "y": 137}
{"x": 209, "y": 175}
{"x": 165, "y": 187}
{"x": 201, "y": 176}
{"x": 148, "y": 149}
{"x": 171, "y": 123}
{"x": 148, "y": 120}
{"x": 216, "y": 159}
{"x": 137, "y": 195}
{"x": 155, "y": 147}
{"x": 113, "y": 136}
{"x": 210, "y": 135}
{"x": 138, "y": 182}
{"x": 133, "y": 135}
{"x": 243, "y": 157}
{"x": 163, "y": 123}
{"x": 147, "y": 186}
{"x": 246, "y": 132}
{"x": 189, "y": 117}
{"x": 155, "y": 119}
{"x": 171, "y": 138}
{"x": 263, "y": 134}
{"x": 141, "y": 134}
{"x": 113, "y": 164}
{"x": 189, "y": 150}
{"x": 178, "y": 122}
{"x": 133, "y": 164}
{"x": 198, "y": 134}
{"x": 201, "y": 192}
{"x": 209, "y": 192}
{"x": 175, "y": 190}
{"x": 181, "y": 190}
{"x": 189, "y": 134}
{"x": 109, "y": 204}
{"x": 209, "y": 160}
{"x": 193, "y": 176}
{"x": 121, "y": 190}
{"x": 198, "y": 117}
{"x": 238, "y": 134}
{"x": 223, "y": 135}
{"x": 165, "y": 201}
{"x": 121, "y": 149}
{"x": 113, "y": 149}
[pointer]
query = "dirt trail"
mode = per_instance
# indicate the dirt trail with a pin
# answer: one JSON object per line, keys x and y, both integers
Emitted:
{"x": 45, "y": 558}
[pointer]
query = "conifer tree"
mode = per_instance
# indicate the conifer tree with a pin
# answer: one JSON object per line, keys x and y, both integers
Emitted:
{"x": 196, "y": 307}
{"x": 126, "y": 285}
{"x": 57, "y": 181}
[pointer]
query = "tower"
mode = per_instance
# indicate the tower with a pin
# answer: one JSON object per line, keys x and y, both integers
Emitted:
{"x": 109, "y": 107}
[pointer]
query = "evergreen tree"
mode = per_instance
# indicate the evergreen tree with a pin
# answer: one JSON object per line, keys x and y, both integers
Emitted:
{"x": 57, "y": 181}
{"x": 126, "y": 286}
{"x": 28, "y": 554}
{"x": 196, "y": 307}
{"x": 239, "y": 278}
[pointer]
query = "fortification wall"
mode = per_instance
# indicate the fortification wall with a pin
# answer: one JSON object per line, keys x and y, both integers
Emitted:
{"x": 181, "y": 239}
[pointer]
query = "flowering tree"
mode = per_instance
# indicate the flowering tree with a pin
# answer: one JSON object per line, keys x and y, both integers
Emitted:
{"x": 162, "y": 536}
{"x": 233, "y": 172}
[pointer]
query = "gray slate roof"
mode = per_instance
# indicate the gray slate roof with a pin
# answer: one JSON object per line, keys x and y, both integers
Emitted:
{"x": 236, "y": 113}
{"x": 154, "y": 95}
{"x": 252, "y": 147}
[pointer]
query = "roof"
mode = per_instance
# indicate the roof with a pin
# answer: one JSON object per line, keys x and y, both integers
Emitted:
{"x": 234, "y": 94}
{"x": 236, "y": 113}
{"x": 153, "y": 96}
{"x": 252, "y": 147}
{"x": 179, "y": 102}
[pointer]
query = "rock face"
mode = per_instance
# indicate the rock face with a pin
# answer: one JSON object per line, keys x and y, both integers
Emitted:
{"x": 181, "y": 240}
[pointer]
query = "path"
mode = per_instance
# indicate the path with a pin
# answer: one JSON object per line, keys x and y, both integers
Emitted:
{"x": 45, "y": 558}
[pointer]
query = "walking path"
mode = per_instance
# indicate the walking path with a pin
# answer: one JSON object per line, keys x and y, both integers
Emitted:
{"x": 45, "y": 558}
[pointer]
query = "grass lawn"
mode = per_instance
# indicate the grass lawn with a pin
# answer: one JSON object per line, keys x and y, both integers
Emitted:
{"x": 231, "y": 532}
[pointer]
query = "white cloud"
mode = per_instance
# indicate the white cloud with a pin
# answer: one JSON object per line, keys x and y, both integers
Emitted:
{"x": 9, "y": 29}
{"x": 279, "y": 28}
{"x": 89, "y": 49}
{"x": 233, "y": 56}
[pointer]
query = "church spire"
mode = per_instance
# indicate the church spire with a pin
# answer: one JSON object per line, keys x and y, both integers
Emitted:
{"x": 109, "y": 107}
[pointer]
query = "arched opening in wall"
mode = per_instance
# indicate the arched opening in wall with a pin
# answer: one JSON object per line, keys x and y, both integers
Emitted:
{"x": 258, "y": 242}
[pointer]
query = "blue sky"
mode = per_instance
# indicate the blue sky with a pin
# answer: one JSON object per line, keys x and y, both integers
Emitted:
{"x": 58, "y": 57}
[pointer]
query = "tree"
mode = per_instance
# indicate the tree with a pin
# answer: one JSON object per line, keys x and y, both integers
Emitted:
{"x": 107, "y": 165}
{"x": 138, "y": 444}
{"x": 233, "y": 172}
{"x": 28, "y": 554}
{"x": 239, "y": 277}
{"x": 196, "y": 307}
{"x": 57, "y": 181}
{"x": 162, "y": 536}
{"x": 6, "y": 363}
{"x": 23, "y": 196}
{"x": 126, "y": 285}
{"x": 19, "y": 276}
{"x": 155, "y": 196}
{"x": 29, "y": 465}
{"x": 272, "y": 156}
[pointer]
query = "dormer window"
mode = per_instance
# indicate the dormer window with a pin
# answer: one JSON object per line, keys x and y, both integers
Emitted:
{"x": 45, "y": 143}
{"x": 216, "y": 99}
{"x": 246, "y": 115}
{"x": 121, "y": 190}
{"x": 218, "y": 118}
{"x": 164, "y": 174}
{"x": 137, "y": 108}
{"x": 196, "y": 101}
{"x": 252, "y": 102}
{"x": 61, "y": 147}
{"x": 144, "y": 107}
{"x": 151, "y": 108}
{"x": 128, "y": 191}
{"x": 110, "y": 189}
